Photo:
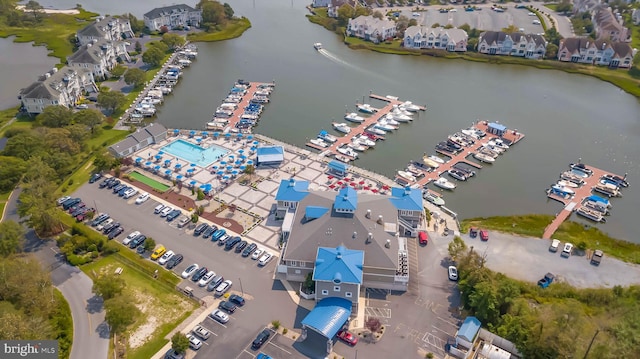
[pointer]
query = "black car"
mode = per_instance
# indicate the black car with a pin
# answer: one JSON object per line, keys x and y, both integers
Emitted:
{"x": 70, "y": 203}
{"x": 137, "y": 241}
{"x": 110, "y": 227}
{"x": 173, "y": 215}
{"x": 200, "y": 228}
{"x": 114, "y": 183}
{"x": 236, "y": 299}
{"x": 106, "y": 182}
{"x": 261, "y": 339}
{"x": 101, "y": 218}
{"x": 140, "y": 250}
{"x": 95, "y": 177}
{"x": 209, "y": 231}
{"x": 199, "y": 274}
{"x": 115, "y": 232}
{"x": 117, "y": 188}
{"x": 214, "y": 283}
{"x": 174, "y": 261}
{"x": 250, "y": 249}
{"x": 231, "y": 243}
{"x": 241, "y": 246}
{"x": 227, "y": 306}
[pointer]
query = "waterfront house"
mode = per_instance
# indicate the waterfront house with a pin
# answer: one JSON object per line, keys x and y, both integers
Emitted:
{"x": 172, "y": 17}
{"x": 334, "y": 5}
{"x": 424, "y": 37}
{"x": 107, "y": 28}
{"x": 608, "y": 26}
{"x": 64, "y": 87}
{"x": 371, "y": 29}
{"x": 529, "y": 46}
{"x": 141, "y": 138}
{"x": 596, "y": 52}
{"x": 320, "y": 3}
{"x": 99, "y": 56}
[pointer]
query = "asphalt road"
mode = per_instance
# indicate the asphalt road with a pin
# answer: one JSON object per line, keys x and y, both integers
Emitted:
{"x": 90, "y": 331}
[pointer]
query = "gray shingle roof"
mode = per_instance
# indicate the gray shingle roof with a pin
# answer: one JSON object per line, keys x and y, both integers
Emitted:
{"x": 160, "y": 11}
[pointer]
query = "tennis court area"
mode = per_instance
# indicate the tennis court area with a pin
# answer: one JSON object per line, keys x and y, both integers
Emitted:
{"x": 149, "y": 181}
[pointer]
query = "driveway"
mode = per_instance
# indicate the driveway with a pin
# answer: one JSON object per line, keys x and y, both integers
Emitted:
{"x": 90, "y": 331}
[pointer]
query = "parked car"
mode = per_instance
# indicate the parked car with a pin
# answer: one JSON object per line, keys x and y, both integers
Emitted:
{"x": 257, "y": 254}
{"x": 227, "y": 306}
{"x": 453, "y": 273}
{"x": 232, "y": 243}
{"x": 201, "y": 332}
{"x": 546, "y": 281}
{"x": 473, "y": 232}
{"x": 95, "y": 177}
{"x": 484, "y": 235}
{"x": 101, "y": 218}
{"x": 76, "y": 207}
{"x": 194, "y": 343}
{"x": 423, "y": 238}
{"x": 140, "y": 250}
{"x": 223, "y": 287}
{"x": 215, "y": 282}
{"x": 124, "y": 191}
{"x": 143, "y": 197}
{"x": 190, "y": 270}
{"x": 555, "y": 244}
{"x": 172, "y": 354}
{"x": 597, "y": 256}
{"x": 116, "y": 232}
{"x": 165, "y": 257}
{"x": 116, "y": 182}
{"x": 236, "y": 299}
{"x": 261, "y": 339}
{"x": 183, "y": 221}
{"x": 110, "y": 227}
{"x": 130, "y": 237}
{"x": 263, "y": 356}
{"x": 250, "y": 249}
{"x": 219, "y": 316}
{"x": 106, "y": 182}
{"x": 199, "y": 274}
{"x": 158, "y": 252}
{"x": 139, "y": 240}
{"x": 158, "y": 208}
{"x": 174, "y": 261}
{"x": 104, "y": 223}
{"x": 61, "y": 200}
{"x": 206, "y": 278}
{"x": 70, "y": 203}
{"x": 209, "y": 231}
{"x": 165, "y": 211}
{"x": 223, "y": 239}
{"x": 118, "y": 187}
{"x": 348, "y": 337}
{"x": 566, "y": 251}
{"x": 173, "y": 215}
{"x": 200, "y": 228}
{"x": 264, "y": 259}
{"x": 241, "y": 246}
{"x": 217, "y": 234}
{"x": 129, "y": 192}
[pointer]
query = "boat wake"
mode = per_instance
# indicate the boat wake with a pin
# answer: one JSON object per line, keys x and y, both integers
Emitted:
{"x": 339, "y": 61}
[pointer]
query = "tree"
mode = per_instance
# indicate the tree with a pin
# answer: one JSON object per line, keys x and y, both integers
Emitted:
{"x": 553, "y": 36}
{"x": 111, "y": 100}
{"x": 104, "y": 161}
{"x": 11, "y": 170}
{"x": 55, "y": 116}
{"x": 413, "y": 22}
{"x": 228, "y": 11}
{"x": 466, "y": 27}
{"x": 435, "y": 25}
{"x": 373, "y": 324}
{"x": 552, "y": 51}
{"x": 11, "y": 238}
{"x": 472, "y": 43}
{"x": 173, "y": 41}
{"x": 135, "y": 77}
{"x": 378, "y": 15}
{"x": 35, "y": 8}
{"x": 90, "y": 117}
{"x": 149, "y": 244}
{"x": 457, "y": 248}
{"x": 345, "y": 12}
{"x": 179, "y": 342}
{"x": 564, "y": 7}
{"x": 121, "y": 312}
{"x": 37, "y": 200}
{"x": 250, "y": 170}
{"x": 24, "y": 145}
{"x": 118, "y": 70}
{"x": 138, "y": 47}
{"x": 164, "y": 29}
{"x": 213, "y": 13}
{"x": 153, "y": 57}
{"x": 510, "y": 29}
{"x": 108, "y": 286}
{"x": 136, "y": 24}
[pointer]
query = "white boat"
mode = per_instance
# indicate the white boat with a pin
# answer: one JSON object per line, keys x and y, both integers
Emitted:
{"x": 401, "y": 110}
{"x": 563, "y": 189}
{"x": 406, "y": 175}
{"x": 429, "y": 162}
{"x": 317, "y": 46}
{"x": 596, "y": 206}
{"x": 414, "y": 171}
{"x": 470, "y": 132}
{"x": 493, "y": 148}
{"x": 356, "y": 146}
{"x": 341, "y": 127}
{"x": 432, "y": 198}
{"x": 348, "y": 152}
{"x": 376, "y": 131}
{"x": 444, "y": 183}
{"x": 409, "y": 106}
{"x": 342, "y": 158}
{"x": 489, "y": 152}
{"x": 500, "y": 143}
{"x": 319, "y": 142}
{"x": 353, "y": 117}
{"x": 567, "y": 184}
{"x": 590, "y": 214}
{"x": 385, "y": 128}
{"x": 460, "y": 176}
{"x": 385, "y": 125}
{"x": 483, "y": 157}
{"x": 572, "y": 177}
{"x": 607, "y": 189}
{"x": 327, "y": 137}
{"x": 366, "y": 108}
{"x": 364, "y": 140}
{"x": 400, "y": 117}
{"x": 396, "y": 98}
{"x": 436, "y": 159}
{"x": 389, "y": 119}
{"x": 215, "y": 125}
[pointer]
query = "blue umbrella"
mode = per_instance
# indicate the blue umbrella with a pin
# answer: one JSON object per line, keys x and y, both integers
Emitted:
{"x": 176, "y": 131}
{"x": 215, "y": 167}
{"x": 179, "y": 177}
{"x": 148, "y": 163}
{"x": 243, "y": 167}
{"x": 239, "y": 135}
{"x": 229, "y": 168}
{"x": 239, "y": 162}
{"x": 223, "y": 162}
{"x": 216, "y": 134}
{"x": 167, "y": 161}
{"x": 250, "y": 162}
{"x": 205, "y": 133}
{"x": 243, "y": 157}
{"x": 234, "y": 172}
{"x": 227, "y": 134}
{"x": 138, "y": 159}
{"x": 240, "y": 151}
{"x": 158, "y": 157}
{"x": 192, "y": 132}
{"x": 193, "y": 183}
{"x": 190, "y": 170}
{"x": 256, "y": 142}
{"x": 225, "y": 177}
{"x": 167, "y": 172}
{"x": 192, "y": 165}
{"x": 199, "y": 140}
{"x": 156, "y": 168}
{"x": 253, "y": 148}
{"x": 250, "y": 137}
{"x": 220, "y": 172}
{"x": 161, "y": 153}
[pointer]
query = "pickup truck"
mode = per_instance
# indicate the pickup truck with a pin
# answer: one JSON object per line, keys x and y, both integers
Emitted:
{"x": 597, "y": 257}
{"x": 548, "y": 279}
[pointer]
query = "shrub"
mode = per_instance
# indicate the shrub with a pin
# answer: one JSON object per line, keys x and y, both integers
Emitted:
{"x": 284, "y": 331}
{"x": 70, "y": 181}
{"x": 92, "y": 248}
{"x": 76, "y": 260}
{"x": 276, "y": 324}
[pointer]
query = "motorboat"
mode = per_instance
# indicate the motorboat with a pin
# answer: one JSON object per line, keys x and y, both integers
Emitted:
{"x": 414, "y": 170}
{"x": 406, "y": 175}
{"x": 500, "y": 143}
{"x": 320, "y": 143}
{"x": 357, "y": 147}
{"x": 364, "y": 140}
{"x": 606, "y": 181}
{"x": 390, "y": 97}
{"x": 216, "y": 125}
{"x": 436, "y": 159}
{"x": 460, "y": 176}
{"x": 470, "y": 132}
{"x": 317, "y": 46}
{"x": 469, "y": 139}
{"x": 444, "y": 183}
{"x": 568, "y": 184}
{"x": 590, "y": 214}
{"x": 560, "y": 188}
{"x": 353, "y": 117}
{"x": 429, "y": 162}
{"x": 389, "y": 119}
{"x": 460, "y": 167}
{"x": 348, "y": 152}
{"x": 596, "y": 206}
{"x": 482, "y": 157}
{"x": 366, "y": 108}
{"x": 399, "y": 109}
{"x": 446, "y": 149}
{"x": 341, "y": 127}
{"x": 399, "y": 116}
{"x": 582, "y": 168}
{"x": 622, "y": 181}
{"x": 607, "y": 189}
{"x": 409, "y": 106}
{"x": 342, "y": 158}
{"x": 561, "y": 194}
{"x": 376, "y": 131}
{"x": 384, "y": 126}
{"x": 572, "y": 177}
{"x": 491, "y": 145}
{"x": 462, "y": 139}
{"x": 432, "y": 198}
{"x": 599, "y": 199}
{"x": 327, "y": 137}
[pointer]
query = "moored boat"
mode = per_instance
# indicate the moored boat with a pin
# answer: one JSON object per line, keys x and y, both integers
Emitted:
{"x": 429, "y": 162}
{"x": 570, "y": 176}
{"x": 414, "y": 171}
{"x": 353, "y": 117}
{"x": 409, "y": 106}
{"x": 349, "y": 152}
{"x": 364, "y": 140}
{"x": 599, "y": 199}
{"x": 432, "y": 198}
{"x": 607, "y": 189}
{"x": 399, "y": 109}
{"x": 406, "y": 175}
{"x": 341, "y": 127}
{"x": 342, "y": 158}
{"x": 568, "y": 184}
{"x": 444, "y": 183}
{"x": 590, "y": 214}
{"x": 597, "y": 206}
{"x": 319, "y": 142}
{"x": 376, "y": 131}
{"x": 459, "y": 175}
{"x": 366, "y": 108}
{"x": 565, "y": 189}
{"x": 357, "y": 147}
{"x": 622, "y": 181}
{"x": 581, "y": 167}
{"x": 389, "y": 119}
{"x": 384, "y": 127}
{"x": 327, "y": 137}
{"x": 436, "y": 159}
{"x": 483, "y": 157}
{"x": 399, "y": 116}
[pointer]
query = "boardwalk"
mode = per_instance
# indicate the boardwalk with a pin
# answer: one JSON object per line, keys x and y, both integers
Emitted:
{"x": 246, "y": 100}
{"x": 574, "y": 202}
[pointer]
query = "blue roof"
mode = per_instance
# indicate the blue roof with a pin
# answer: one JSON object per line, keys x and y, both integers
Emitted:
{"x": 497, "y": 126}
{"x": 270, "y": 154}
{"x": 292, "y": 190}
{"x": 328, "y": 316}
{"x": 338, "y": 265}
{"x": 598, "y": 199}
{"x": 338, "y": 166}
{"x": 469, "y": 329}
{"x": 346, "y": 199}
{"x": 313, "y": 212}
{"x": 407, "y": 199}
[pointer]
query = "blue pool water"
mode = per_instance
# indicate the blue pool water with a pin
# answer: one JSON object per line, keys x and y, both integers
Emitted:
{"x": 202, "y": 157}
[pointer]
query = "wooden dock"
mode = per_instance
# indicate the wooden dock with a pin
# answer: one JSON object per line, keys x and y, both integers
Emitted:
{"x": 246, "y": 100}
{"x": 581, "y": 193}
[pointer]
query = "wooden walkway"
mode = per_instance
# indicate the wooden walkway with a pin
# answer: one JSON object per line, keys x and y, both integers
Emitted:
{"x": 573, "y": 203}
{"x": 246, "y": 100}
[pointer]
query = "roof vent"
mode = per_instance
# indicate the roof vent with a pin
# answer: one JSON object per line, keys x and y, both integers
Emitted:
{"x": 354, "y": 235}
{"x": 368, "y": 215}
{"x": 292, "y": 182}
{"x": 380, "y": 219}
{"x": 388, "y": 244}
{"x": 369, "y": 237}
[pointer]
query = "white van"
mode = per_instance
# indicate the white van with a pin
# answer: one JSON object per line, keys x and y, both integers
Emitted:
{"x": 166, "y": 211}
{"x": 158, "y": 208}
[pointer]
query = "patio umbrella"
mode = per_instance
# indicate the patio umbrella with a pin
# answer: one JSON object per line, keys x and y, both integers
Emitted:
{"x": 192, "y": 133}
{"x": 330, "y": 177}
{"x": 158, "y": 157}
{"x": 385, "y": 187}
{"x": 353, "y": 184}
{"x": 192, "y": 165}
{"x": 231, "y": 157}
{"x": 234, "y": 172}
{"x": 156, "y": 168}
{"x": 240, "y": 135}
{"x": 243, "y": 167}
{"x": 205, "y": 133}
{"x": 190, "y": 170}
{"x": 161, "y": 153}
{"x": 223, "y": 162}
{"x": 229, "y": 168}
{"x": 256, "y": 143}
{"x": 199, "y": 140}
{"x": 253, "y": 148}
{"x": 250, "y": 162}
{"x": 226, "y": 177}
{"x": 167, "y": 172}
{"x": 250, "y": 137}
{"x": 220, "y": 173}
{"x": 347, "y": 179}
{"x": 214, "y": 167}
{"x": 179, "y": 177}
{"x": 375, "y": 190}
{"x": 193, "y": 183}
{"x": 243, "y": 157}
{"x": 148, "y": 163}
{"x": 339, "y": 182}
{"x": 176, "y": 131}
{"x": 178, "y": 165}
{"x": 332, "y": 186}
{"x": 240, "y": 151}
{"x": 138, "y": 160}
{"x": 239, "y": 162}
{"x": 361, "y": 182}
{"x": 167, "y": 161}
{"x": 227, "y": 134}
{"x": 366, "y": 188}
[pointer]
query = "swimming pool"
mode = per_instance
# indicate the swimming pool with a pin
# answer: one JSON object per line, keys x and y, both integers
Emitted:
{"x": 202, "y": 157}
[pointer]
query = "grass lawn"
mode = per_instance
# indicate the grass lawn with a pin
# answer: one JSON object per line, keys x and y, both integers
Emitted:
{"x": 530, "y": 225}
{"x": 106, "y": 138}
{"x": 553, "y": 7}
{"x": 25, "y": 122}
{"x": 149, "y": 181}
{"x": 162, "y": 306}
{"x": 6, "y": 116}
{"x": 233, "y": 29}
{"x": 4, "y": 197}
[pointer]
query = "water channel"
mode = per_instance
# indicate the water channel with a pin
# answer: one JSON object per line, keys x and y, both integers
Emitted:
{"x": 564, "y": 116}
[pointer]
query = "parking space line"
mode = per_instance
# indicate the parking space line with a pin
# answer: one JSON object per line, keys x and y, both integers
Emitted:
{"x": 281, "y": 348}
{"x": 440, "y": 330}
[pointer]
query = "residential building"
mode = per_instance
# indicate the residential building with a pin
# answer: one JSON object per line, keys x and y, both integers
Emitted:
{"x": 471, "y": 341}
{"x": 107, "y": 28}
{"x": 424, "y": 37}
{"x": 596, "y": 52}
{"x": 371, "y": 29}
{"x": 320, "y": 3}
{"x": 377, "y": 225}
{"x": 139, "y": 139}
{"x": 609, "y": 26}
{"x": 99, "y": 56}
{"x": 529, "y": 46}
{"x": 584, "y": 5}
{"x": 64, "y": 87}
{"x": 334, "y": 5}
{"x": 172, "y": 17}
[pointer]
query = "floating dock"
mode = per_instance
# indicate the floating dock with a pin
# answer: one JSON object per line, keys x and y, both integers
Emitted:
{"x": 242, "y": 105}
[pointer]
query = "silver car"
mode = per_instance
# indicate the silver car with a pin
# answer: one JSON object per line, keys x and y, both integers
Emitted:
{"x": 219, "y": 316}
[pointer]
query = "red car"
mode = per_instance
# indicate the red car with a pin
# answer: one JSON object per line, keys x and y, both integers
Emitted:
{"x": 484, "y": 235}
{"x": 348, "y": 337}
{"x": 423, "y": 238}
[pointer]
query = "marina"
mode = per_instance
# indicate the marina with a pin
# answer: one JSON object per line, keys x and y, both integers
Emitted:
{"x": 242, "y": 108}
{"x": 586, "y": 191}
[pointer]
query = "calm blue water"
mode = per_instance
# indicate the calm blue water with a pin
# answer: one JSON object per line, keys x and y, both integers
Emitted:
{"x": 202, "y": 157}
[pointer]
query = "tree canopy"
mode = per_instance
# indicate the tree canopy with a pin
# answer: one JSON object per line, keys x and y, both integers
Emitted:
{"x": 11, "y": 238}
{"x": 179, "y": 342}
{"x": 173, "y": 41}
{"x": 135, "y": 77}
{"x": 108, "y": 286}
{"x": 121, "y": 312}
{"x": 111, "y": 100}
{"x": 153, "y": 57}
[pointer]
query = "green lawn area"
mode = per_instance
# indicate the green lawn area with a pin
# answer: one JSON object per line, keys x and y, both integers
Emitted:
{"x": 3, "y": 201}
{"x": 7, "y": 115}
{"x": 233, "y": 29}
{"x": 162, "y": 306}
{"x": 106, "y": 138}
{"x": 25, "y": 122}
{"x": 530, "y": 225}
{"x": 149, "y": 181}
{"x": 553, "y": 7}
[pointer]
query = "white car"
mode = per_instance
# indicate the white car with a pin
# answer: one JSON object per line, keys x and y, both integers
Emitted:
{"x": 566, "y": 251}
{"x": 166, "y": 211}
{"x": 158, "y": 208}
{"x": 82, "y": 106}
{"x": 61, "y": 200}
{"x": 130, "y": 237}
{"x": 532, "y": 14}
{"x": 220, "y": 316}
{"x": 453, "y": 10}
{"x": 129, "y": 193}
{"x": 257, "y": 254}
{"x": 555, "y": 244}
{"x": 264, "y": 259}
{"x": 453, "y": 273}
{"x": 536, "y": 22}
{"x": 194, "y": 343}
{"x": 165, "y": 257}
{"x": 143, "y": 197}
{"x": 101, "y": 225}
{"x": 207, "y": 278}
{"x": 223, "y": 287}
{"x": 190, "y": 270}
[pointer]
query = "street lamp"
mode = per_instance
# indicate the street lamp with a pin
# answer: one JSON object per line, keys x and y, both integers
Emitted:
{"x": 242, "y": 290}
